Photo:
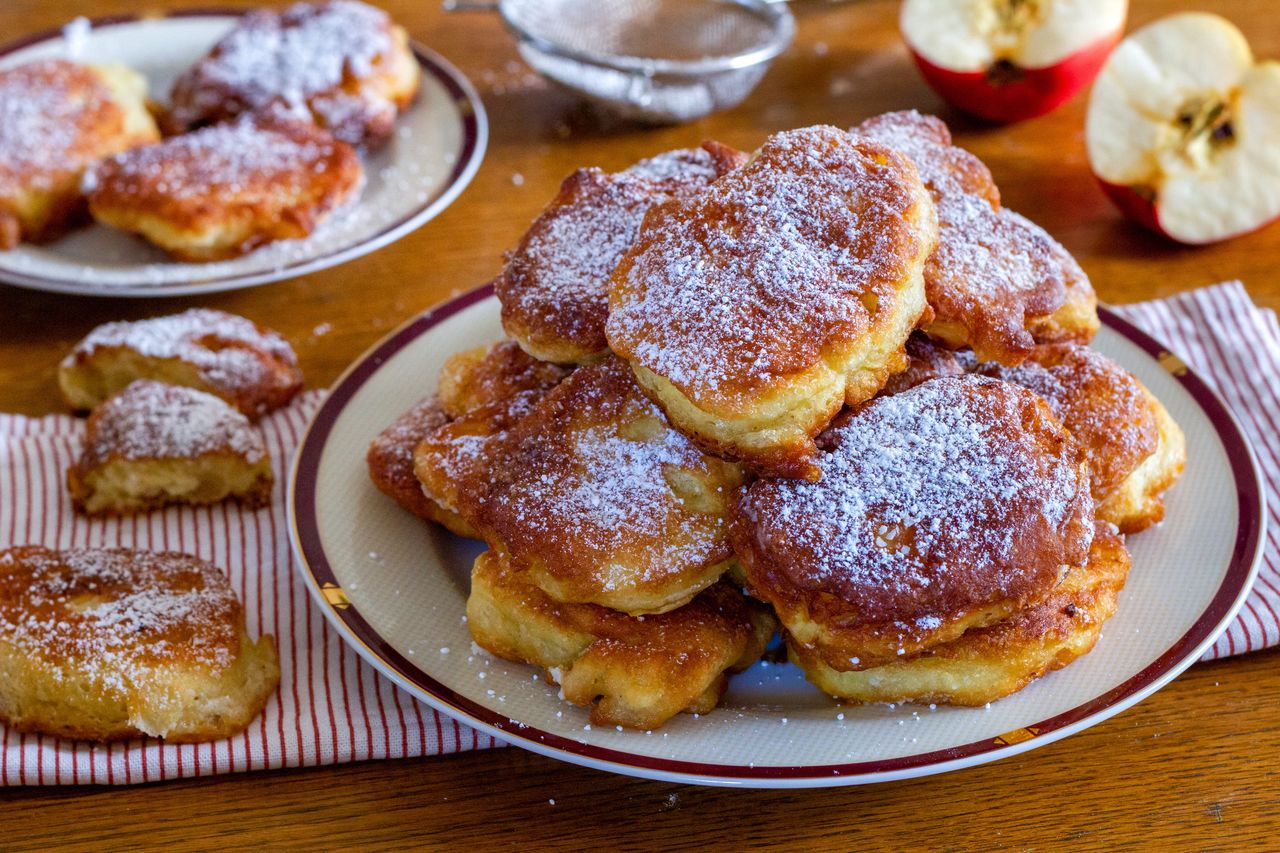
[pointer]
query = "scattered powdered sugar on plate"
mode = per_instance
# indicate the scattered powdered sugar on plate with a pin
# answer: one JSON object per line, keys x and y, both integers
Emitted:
{"x": 76, "y": 36}
{"x": 150, "y": 420}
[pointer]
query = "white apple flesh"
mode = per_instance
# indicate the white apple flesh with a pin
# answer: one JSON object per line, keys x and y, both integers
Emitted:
{"x": 1008, "y": 60}
{"x": 1183, "y": 130}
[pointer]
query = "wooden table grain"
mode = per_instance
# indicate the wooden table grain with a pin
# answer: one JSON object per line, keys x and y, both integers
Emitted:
{"x": 1193, "y": 767}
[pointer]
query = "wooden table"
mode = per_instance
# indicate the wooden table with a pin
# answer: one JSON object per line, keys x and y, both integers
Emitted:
{"x": 1193, "y": 767}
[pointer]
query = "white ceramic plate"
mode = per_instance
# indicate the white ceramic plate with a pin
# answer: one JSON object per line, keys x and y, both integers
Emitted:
{"x": 395, "y": 588}
{"x": 438, "y": 145}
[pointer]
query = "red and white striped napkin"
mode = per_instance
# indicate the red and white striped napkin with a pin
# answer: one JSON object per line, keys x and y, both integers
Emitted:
{"x": 1235, "y": 346}
{"x": 333, "y": 708}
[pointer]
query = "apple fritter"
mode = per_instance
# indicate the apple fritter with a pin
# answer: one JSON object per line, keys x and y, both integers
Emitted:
{"x": 943, "y": 508}
{"x": 997, "y": 282}
{"x": 752, "y": 310}
{"x": 598, "y": 499}
{"x": 634, "y": 671}
{"x": 554, "y": 287}
{"x": 109, "y": 644}
{"x": 251, "y": 367}
{"x": 153, "y": 445}
{"x": 227, "y": 189}
{"x": 481, "y": 392}
{"x": 985, "y": 664}
{"x": 344, "y": 65}
{"x": 57, "y": 118}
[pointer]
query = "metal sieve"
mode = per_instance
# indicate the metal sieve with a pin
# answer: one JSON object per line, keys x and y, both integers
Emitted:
{"x": 659, "y": 61}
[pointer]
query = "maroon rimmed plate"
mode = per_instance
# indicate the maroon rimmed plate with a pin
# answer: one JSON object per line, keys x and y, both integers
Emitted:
{"x": 438, "y": 145}
{"x": 395, "y": 589}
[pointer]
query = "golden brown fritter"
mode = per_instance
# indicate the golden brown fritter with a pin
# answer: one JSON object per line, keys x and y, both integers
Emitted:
{"x": 630, "y": 671}
{"x": 344, "y": 65}
{"x": 946, "y": 507}
{"x": 997, "y": 282}
{"x": 501, "y": 374}
{"x": 227, "y": 189}
{"x": 1102, "y": 404}
{"x": 251, "y": 367}
{"x": 1138, "y": 502}
{"x": 56, "y": 119}
{"x": 112, "y": 644}
{"x": 599, "y": 500}
{"x": 390, "y": 463}
{"x": 554, "y": 288}
{"x": 482, "y": 392}
{"x": 153, "y": 445}
{"x": 985, "y": 664}
{"x": 754, "y": 309}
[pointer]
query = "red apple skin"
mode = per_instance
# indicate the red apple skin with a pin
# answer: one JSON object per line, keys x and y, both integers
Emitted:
{"x": 1146, "y": 213}
{"x": 1038, "y": 91}
{"x": 1134, "y": 206}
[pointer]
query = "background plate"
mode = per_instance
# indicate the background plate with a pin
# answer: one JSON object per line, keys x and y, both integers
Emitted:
{"x": 437, "y": 148}
{"x": 395, "y": 588}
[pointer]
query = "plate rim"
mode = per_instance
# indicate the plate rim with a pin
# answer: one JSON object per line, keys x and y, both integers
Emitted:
{"x": 475, "y": 143}
{"x": 312, "y": 565}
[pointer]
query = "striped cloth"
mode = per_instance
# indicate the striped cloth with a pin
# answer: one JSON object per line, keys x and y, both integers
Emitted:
{"x": 1235, "y": 347}
{"x": 333, "y": 708}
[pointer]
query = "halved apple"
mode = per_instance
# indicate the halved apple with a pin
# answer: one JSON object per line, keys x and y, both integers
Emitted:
{"x": 1009, "y": 60}
{"x": 1183, "y": 130}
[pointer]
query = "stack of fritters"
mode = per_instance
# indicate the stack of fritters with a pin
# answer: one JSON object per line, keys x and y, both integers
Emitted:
{"x": 834, "y": 386}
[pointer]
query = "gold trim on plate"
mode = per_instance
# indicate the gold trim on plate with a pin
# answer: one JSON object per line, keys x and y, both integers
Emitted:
{"x": 335, "y": 596}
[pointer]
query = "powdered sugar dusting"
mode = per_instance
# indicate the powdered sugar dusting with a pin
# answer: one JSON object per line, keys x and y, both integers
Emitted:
{"x": 221, "y": 161}
{"x": 45, "y": 109}
{"x": 680, "y": 171}
{"x": 285, "y": 56}
{"x": 224, "y": 347}
{"x": 749, "y": 279}
{"x": 113, "y": 616}
{"x": 993, "y": 270}
{"x": 556, "y": 282}
{"x": 945, "y": 169}
{"x": 150, "y": 420}
{"x": 480, "y": 401}
{"x": 558, "y": 276}
{"x": 928, "y": 497}
{"x": 587, "y": 484}
{"x": 1097, "y": 400}
{"x": 995, "y": 255}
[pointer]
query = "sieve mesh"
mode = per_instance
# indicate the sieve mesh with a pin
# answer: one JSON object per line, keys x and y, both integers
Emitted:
{"x": 671, "y": 30}
{"x": 653, "y": 60}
